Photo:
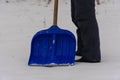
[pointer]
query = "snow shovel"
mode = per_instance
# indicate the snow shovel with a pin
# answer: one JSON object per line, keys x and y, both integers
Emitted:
{"x": 53, "y": 46}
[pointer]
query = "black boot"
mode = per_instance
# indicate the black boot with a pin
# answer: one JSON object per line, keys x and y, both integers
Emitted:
{"x": 89, "y": 61}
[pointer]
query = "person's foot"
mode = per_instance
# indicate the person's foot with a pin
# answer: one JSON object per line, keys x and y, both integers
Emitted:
{"x": 89, "y": 61}
{"x": 78, "y": 53}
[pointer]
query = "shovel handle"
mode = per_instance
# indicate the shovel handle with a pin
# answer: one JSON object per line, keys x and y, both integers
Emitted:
{"x": 55, "y": 12}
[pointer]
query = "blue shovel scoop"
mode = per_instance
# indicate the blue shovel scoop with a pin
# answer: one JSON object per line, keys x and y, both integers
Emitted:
{"x": 53, "y": 46}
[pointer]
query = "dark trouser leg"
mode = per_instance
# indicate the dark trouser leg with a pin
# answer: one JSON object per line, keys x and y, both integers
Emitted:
{"x": 83, "y": 16}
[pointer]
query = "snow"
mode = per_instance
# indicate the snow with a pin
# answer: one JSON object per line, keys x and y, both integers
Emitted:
{"x": 19, "y": 21}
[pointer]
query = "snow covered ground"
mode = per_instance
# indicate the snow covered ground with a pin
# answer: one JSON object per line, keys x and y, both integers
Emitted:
{"x": 19, "y": 21}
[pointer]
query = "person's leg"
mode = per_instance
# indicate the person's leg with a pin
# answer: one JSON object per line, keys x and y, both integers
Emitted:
{"x": 83, "y": 16}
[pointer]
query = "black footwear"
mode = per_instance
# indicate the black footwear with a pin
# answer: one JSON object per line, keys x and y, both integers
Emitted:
{"x": 89, "y": 61}
{"x": 78, "y": 54}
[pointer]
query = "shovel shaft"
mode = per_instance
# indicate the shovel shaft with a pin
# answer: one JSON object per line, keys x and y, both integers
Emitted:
{"x": 55, "y": 12}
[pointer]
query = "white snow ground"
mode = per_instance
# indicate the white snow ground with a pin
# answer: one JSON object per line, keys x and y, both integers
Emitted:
{"x": 19, "y": 21}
